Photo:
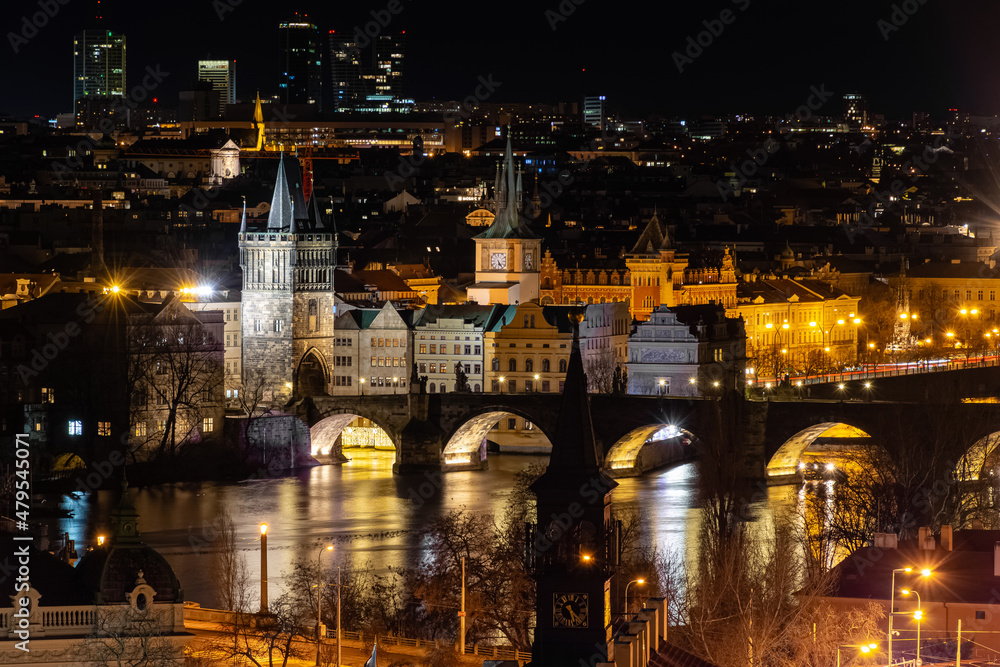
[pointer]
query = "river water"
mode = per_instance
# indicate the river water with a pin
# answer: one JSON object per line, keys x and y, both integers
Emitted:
{"x": 361, "y": 507}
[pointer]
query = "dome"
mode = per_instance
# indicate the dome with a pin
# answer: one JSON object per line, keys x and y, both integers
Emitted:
{"x": 112, "y": 570}
{"x": 787, "y": 252}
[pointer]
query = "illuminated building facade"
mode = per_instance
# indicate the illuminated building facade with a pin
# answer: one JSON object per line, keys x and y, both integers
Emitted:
{"x": 222, "y": 75}
{"x": 797, "y": 325}
{"x": 653, "y": 274}
{"x": 98, "y": 65}
{"x": 301, "y": 63}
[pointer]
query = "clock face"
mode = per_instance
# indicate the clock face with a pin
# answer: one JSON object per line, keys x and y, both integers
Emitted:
{"x": 527, "y": 261}
{"x": 498, "y": 260}
{"x": 569, "y": 610}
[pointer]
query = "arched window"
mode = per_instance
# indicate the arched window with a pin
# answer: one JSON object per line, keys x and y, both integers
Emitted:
{"x": 529, "y": 366}
{"x": 562, "y": 365}
{"x": 431, "y": 387}
{"x": 476, "y": 388}
{"x": 512, "y": 365}
{"x": 444, "y": 388}
{"x": 546, "y": 366}
{"x": 496, "y": 364}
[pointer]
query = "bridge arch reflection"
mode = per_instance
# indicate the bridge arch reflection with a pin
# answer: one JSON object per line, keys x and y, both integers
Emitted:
{"x": 828, "y": 441}
{"x": 466, "y": 446}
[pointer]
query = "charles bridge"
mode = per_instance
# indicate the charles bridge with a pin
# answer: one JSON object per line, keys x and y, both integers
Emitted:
{"x": 769, "y": 438}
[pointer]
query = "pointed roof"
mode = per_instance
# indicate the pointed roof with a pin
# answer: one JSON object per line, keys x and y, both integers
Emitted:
{"x": 243, "y": 220}
{"x": 280, "y": 216}
{"x": 315, "y": 214}
{"x": 507, "y": 224}
{"x": 574, "y": 448}
{"x": 652, "y": 237}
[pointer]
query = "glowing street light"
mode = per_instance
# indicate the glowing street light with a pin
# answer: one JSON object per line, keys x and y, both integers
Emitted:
{"x": 864, "y": 648}
{"x": 634, "y": 581}
{"x": 263, "y": 568}
{"x": 918, "y": 614}
{"x": 501, "y": 381}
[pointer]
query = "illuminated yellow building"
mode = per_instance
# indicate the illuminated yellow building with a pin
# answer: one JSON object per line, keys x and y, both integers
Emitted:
{"x": 797, "y": 326}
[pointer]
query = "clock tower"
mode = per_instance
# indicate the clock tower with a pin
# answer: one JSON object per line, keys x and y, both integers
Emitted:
{"x": 508, "y": 253}
{"x": 574, "y": 548}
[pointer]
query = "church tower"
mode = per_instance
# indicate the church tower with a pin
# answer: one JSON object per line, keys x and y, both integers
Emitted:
{"x": 654, "y": 270}
{"x": 287, "y": 298}
{"x": 508, "y": 253}
{"x": 574, "y": 549}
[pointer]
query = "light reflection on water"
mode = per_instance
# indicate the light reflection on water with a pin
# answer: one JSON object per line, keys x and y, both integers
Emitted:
{"x": 366, "y": 511}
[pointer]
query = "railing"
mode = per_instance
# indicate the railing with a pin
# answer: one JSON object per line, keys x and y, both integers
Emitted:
{"x": 871, "y": 370}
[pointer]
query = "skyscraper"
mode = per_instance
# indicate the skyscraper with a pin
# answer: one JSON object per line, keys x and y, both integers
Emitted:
{"x": 98, "y": 65}
{"x": 856, "y": 109}
{"x": 300, "y": 63}
{"x": 593, "y": 112}
{"x": 366, "y": 75}
{"x": 345, "y": 71}
{"x": 222, "y": 75}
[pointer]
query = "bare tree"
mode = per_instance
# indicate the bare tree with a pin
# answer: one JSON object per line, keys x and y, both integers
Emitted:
{"x": 600, "y": 367}
{"x": 129, "y": 637}
{"x": 250, "y": 397}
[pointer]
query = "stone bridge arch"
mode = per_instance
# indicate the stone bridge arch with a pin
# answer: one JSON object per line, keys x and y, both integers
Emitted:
{"x": 787, "y": 464}
{"x": 325, "y": 433}
{"x": 649, "y": 447}
{"x": 312, "y": 374}
{"x": 983, "y": 452}
{"x": 465, "y": 443}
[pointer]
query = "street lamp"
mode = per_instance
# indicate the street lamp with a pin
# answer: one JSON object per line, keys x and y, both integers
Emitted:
{"x": 634, "y": 581}
{"x": 395, "y": 384}
{"x": 918, "y": 614}
{"x": 864, "y": 648}
{"x": 361, "y": 382}
{"x": 663, "y": 386}
{"x": 263, "y": 568}
{"x": 319, "y": 603}
{"x": 892, "y": 598}
{"x": 537, "y": 386}
{"x": 501, "y": 381}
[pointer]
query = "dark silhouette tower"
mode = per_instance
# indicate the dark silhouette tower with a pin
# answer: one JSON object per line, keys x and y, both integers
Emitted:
{"x": 574, "y": 549}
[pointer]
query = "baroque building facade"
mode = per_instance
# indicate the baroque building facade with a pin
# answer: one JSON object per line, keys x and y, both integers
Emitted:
{"x": 651, "y": 275}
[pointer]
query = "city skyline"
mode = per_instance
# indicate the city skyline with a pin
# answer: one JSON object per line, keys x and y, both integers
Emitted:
{"x": 763, "y": 59}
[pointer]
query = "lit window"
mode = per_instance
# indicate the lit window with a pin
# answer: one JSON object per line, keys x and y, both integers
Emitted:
{"x": 75, "y": 427}
{"x": 48, "y": 395}
{"x": 207, "y": 424}
{"x": 103, "y": 428}
{"x": 140, "y": 429}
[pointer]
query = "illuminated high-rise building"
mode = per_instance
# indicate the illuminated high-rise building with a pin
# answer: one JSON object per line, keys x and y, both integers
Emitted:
{"x": 367, "y": 74}
{"x": 345, "y": 71}
{"x": 98, "y": 65}
{"x": 222, "y": 75}
{"x": 593, "y": 112}
{"x": 856, "y": 109}
{"x": 301, "y": 65}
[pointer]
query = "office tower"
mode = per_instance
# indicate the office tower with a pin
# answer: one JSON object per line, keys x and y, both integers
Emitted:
{"x": 388, "y": 66}
{"x": 345, "y": 71}
{"x": 593, "y": 112}
{"x": 98, "y": 66}
{"x": 221, "y": 74}
{"x": 856, "y": 109}
{"x": 300, "y": 62}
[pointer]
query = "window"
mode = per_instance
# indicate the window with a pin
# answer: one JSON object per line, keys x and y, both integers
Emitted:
{"x": 980, "y": 295}
{"x": 48, "y": 395}
{"x": 479, "y": 349}
{"x": 529, "y": 366}
{"x": 430, "y": 388}
{"x": 458, "y": 349}
{"x": 207, "y": 424}
{"x": 546, "y": 366}
{"x": 513, "y": 386}
{"x": 258, "y": 325}
{"x": 512, "y": 366}
{"x": 433, "y": 349}
{"x": 968, "y": 295}
{"x": 545, "y": 386}
{"x": 161, "y": 399}
{"x": 75, "y": 427}
{"x": 477, "y": 369}
{"x": 562, "y": 368}
{"x": 532, "y": 321}
{"x": 495, "y": 364}
{"x": 423, "y": 368}
{"x": 140, "y": 429}
{"x": 511, "y": 423}
{"x": 980, "y": 614}
{"x": 313, "y": 316}
{"x": 434, "y": 368}
{"x": 103, "y": 428}
{"x": 528, "y": 425}
{"x": 494, "y": 386}
{"x": 529, "y": 385}
{"x": 423, "y": 348}
{"x": 279, "y": 325}
{"x": 161, "y": 425}
{"x": 161, "y": 368}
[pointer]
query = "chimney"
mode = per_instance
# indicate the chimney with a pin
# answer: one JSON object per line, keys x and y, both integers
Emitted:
{"x": 946, "y": 538}
{"x": 925, "y": 540}
{"x": 886, "y": 540}
{"x": 996, "y": 559}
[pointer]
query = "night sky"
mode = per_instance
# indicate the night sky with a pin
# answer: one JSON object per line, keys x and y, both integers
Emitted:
{"x": 945, "y": 55}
